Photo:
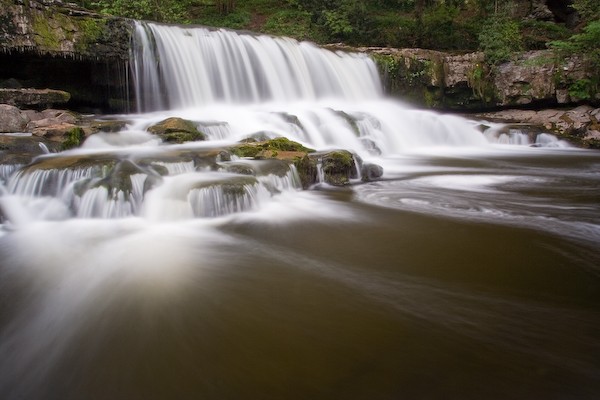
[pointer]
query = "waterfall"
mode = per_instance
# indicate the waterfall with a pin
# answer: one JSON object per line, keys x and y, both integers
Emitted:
{"x": 234, "y": 85}
{"x": 199, "y": 66}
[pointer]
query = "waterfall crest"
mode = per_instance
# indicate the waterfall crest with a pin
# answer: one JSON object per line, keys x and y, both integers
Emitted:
{"x": 177, "y": 67}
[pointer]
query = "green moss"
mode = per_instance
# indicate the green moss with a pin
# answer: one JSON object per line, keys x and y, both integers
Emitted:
{"x": 89, "y": 32}
{"x": 246, "y": 150}
{"x": 285, "y": 144}
{"x": 307, "y": 170}
{"x": 73, "y": 138}
{"x": 388, "y": 65}
{"x": 340, "y": 159}
{"x": 271, "y": 147}
{"x": 45, "y": 36}
{"x": 338, "y": 167}
{"x": 479, "y": 81}
{"x": 176, "y": 130}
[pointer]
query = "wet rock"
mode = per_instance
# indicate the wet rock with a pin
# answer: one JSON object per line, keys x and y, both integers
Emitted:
{"x": 280, "y": 148}
{"x": 338, "y": 167}
{"x": 576, "y": 125}
{"x": 107, "y": 126}
{"x": 11, "y": 119}
{"x": 177, "y": 130}
{"x": 371, "y": 172}
{"x": 21, "y": 149}
{"x": 307, "y": 170}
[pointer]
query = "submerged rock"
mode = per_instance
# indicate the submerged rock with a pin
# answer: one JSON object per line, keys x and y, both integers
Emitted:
{"x": 177, "y": 130}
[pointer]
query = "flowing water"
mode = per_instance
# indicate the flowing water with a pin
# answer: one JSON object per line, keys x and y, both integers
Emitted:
{"x": 135, "y": 270}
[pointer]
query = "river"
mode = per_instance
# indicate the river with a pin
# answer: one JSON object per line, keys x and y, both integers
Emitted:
{"x": 470, "y": 270}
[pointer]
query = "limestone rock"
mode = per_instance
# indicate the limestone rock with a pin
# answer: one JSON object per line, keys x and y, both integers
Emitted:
{"x": 458, "y": 68}
{"x": 578, "y": 125}
{"x": 38, "y": 98}
{"x": 12, "y": 119}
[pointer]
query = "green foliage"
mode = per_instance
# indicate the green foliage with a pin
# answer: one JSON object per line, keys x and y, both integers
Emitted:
{"x": 479, "y": 82}
{"x": 586, "y": 43}
{"x": 499, "y": 39}
{"x": 439, "y": 29}
{"x": 581, "y": 89}
{"x": 588, "y": 9}
{"x": 238, "y": 19}
{"x": 462, "y": 25}
{"x": 394, "y": 30}
{"x": 292, "y": 23}
{"x": 162, "y": 11}
{"x": 345, "y": 20}
{"x": 536, "y": 34}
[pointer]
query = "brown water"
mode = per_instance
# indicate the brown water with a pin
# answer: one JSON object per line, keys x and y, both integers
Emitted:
{"x": 461, "y": 276}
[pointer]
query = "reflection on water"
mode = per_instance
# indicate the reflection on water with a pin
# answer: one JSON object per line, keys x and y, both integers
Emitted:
{"x": 463, "y": 276}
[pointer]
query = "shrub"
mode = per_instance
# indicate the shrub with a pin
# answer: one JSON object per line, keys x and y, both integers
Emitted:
{"x": 499, "y": 39}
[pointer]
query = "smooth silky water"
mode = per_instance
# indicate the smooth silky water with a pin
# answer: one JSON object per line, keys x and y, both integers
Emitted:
{"x": 470, "y": 271}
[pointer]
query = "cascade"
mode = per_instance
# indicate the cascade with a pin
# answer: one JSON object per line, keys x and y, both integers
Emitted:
{"x": 232, "y": 86}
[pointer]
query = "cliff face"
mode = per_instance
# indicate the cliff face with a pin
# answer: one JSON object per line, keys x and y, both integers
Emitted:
{"x": 534, "y": 79}
{"x": 50, "y": 44}
{"x": 54, "y": 28}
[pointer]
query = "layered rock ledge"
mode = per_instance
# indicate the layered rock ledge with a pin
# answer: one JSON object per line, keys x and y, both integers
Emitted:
{"x": 533, "y": 79}
{"x": 48, "y": 44}
{"x": 580, "y": 125}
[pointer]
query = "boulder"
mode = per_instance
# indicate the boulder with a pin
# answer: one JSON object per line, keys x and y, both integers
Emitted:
{"x": 177, "y": 130}
{"x": 12, "y": 119}
{"x": 338, "y": 167}
{"x": 371, "y": 172}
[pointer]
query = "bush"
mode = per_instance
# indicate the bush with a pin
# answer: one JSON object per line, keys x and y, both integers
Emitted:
{"x": 499, "y": 39}
{"x": 438, "y": 28}
{"x": 536, "y": 34}
{"x": 167, "y": 11}
{"x": 587, "y": 43}
{"x": 292, "y": 23}
{"x": 394, "y": 30}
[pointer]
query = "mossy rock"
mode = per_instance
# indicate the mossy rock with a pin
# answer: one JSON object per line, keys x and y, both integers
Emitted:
{"x": 108, "y": 126}
{"x": 177, "y": 130}
{"x": 307, "y": 170}
{"x": 280, "y": 148}
{"x": 339, "y": 167}
{"x": 73, "y": 138}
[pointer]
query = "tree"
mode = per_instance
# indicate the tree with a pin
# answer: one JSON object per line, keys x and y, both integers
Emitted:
{"x": 155, "y": 10}
{"x": 225, "y": 6}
